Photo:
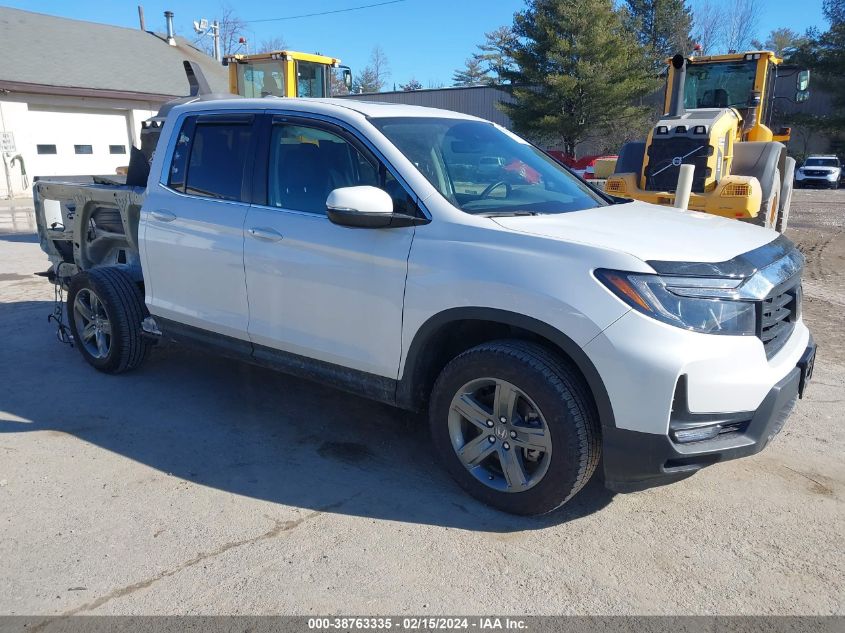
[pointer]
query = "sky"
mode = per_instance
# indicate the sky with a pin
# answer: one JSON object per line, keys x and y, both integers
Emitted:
{"x": 422, "y": 39}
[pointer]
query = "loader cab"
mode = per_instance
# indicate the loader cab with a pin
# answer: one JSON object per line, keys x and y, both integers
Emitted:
{"x": 745, "y": 82}
{"x": 287, "y": 74}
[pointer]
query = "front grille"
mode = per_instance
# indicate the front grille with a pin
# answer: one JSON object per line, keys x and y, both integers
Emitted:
{"x": 665, "y": 155}
{"x": 777, "y": 317}
{"x": 814, "y": 172}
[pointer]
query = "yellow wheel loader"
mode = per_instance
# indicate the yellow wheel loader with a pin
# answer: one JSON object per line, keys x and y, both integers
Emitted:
{"x": 717, "y": 112}
{"x": 286, "y": 74}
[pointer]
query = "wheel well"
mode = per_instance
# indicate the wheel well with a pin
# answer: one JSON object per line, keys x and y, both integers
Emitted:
{"x": 428, "y": 357}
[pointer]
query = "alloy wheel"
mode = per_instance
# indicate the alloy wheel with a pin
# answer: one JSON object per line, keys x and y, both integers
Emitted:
{"x": 500, "y": 435}
{"x": 93, "y": 328}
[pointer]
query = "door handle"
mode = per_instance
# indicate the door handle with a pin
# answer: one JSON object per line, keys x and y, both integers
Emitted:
{"x": 265, "y": 235}
{"x": 164, "y": 216}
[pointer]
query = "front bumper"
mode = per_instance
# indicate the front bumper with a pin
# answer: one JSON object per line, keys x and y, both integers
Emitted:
{"x": 635, "y": 460}
{"x": 816, "y": 181}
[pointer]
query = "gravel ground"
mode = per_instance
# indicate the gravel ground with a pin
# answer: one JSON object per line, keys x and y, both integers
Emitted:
{"x": 200, "y": 485}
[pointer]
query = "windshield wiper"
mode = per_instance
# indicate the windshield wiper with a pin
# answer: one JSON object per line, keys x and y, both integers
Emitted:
{"x": 505, "y": 214}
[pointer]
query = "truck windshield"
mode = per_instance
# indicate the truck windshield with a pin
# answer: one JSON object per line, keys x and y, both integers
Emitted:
{"x": 821, "y": 162}
{"x": 719, "y": 84}
{"x": 484, "y": 169}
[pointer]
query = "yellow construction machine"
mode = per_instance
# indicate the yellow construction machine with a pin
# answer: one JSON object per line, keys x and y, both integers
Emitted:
{"x": 286, "y": 74}
{"x": 718, "y": 110}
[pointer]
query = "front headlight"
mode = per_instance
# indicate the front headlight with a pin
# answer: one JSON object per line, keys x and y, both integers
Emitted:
{"x": 708, "y": 305}
{"x": 832, "y": 176}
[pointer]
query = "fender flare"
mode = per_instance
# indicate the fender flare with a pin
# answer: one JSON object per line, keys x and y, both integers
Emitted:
{"x": 408, "y": 392}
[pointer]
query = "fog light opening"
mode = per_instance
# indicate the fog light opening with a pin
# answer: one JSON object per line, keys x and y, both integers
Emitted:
{"x": 697, "y": 434}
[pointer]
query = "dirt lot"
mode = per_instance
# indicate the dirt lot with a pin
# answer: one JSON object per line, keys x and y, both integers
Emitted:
{"x": 201, "y": 485}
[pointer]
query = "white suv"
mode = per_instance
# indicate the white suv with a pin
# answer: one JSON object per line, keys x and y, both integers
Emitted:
{"x": 544, "y": 326}
{"x": 819, "y": 171}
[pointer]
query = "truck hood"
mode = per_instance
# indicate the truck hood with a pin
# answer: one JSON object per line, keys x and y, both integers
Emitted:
{"x": 648, "y": 232}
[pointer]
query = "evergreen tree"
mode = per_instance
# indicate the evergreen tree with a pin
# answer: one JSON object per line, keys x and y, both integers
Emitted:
{"x": 495, "y": 53}
{"x": 577, "y": 72}
{"x": 824, "y": 55}
{"x": 661, "y": 26}
{"x": 782, "y": 42}
{"x": 373, "y": 77}
{"x": 366, "y": 81}
{"x": 472, "y": 74}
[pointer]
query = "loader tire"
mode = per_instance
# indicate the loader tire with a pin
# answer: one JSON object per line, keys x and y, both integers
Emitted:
{"x": 786, "y": 195}
{"x": 767, "y": 216}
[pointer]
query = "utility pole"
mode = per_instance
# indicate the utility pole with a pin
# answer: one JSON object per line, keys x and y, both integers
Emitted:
{"x": 215, "y": 36}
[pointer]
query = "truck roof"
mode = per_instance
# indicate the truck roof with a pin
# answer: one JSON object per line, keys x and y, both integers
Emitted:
{"x": 340, "y": 108}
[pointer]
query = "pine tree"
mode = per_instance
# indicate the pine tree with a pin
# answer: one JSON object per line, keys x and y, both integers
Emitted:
{"x": 661, "y": 26}
{"x": 366, "y": 81}
{"x": 824, "y": 54}
{"x": 577, "y": 74}
{"x": 373, "y": 77}
{"x": 472, "y": 74}
{"x": 495, "y": 52}
{"x": 780, "y": 41}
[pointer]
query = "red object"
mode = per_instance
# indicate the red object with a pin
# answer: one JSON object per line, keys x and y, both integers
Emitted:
{"x": 697, "y": 48}
{"x": 584, "y": 165}
{"x": 528, "y": 174}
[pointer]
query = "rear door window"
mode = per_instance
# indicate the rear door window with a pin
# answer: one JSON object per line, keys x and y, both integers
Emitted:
{"x": 211, "y": 155}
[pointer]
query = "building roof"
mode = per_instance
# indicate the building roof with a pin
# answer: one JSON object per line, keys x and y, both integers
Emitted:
{"x": 45, "y": 52}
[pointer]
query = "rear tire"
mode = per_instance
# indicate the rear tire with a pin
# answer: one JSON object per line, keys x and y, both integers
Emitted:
{"x": 105, "y": 309}
{"x": 549, "y": 409}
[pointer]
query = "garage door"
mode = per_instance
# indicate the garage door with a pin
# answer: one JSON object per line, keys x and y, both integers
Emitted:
{"x": 75, "y": 142}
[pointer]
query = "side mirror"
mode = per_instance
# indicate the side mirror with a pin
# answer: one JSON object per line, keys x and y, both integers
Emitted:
{"x": 367, "y": 208}
{"x": 347, "y": 78}
{"x": 803, "y": 81}
{"x": 801, "y": 96}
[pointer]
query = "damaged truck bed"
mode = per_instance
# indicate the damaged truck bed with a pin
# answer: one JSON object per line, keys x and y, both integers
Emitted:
{"x": 82, "y": 226}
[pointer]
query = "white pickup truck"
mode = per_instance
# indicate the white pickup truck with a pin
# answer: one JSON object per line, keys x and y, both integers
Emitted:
{"x": 545, "y": 327}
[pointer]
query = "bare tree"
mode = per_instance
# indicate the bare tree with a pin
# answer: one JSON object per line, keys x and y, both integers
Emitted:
{"x": 380, "y": 66}
{"x": 272, "y": 44}
{"x": 740, "y": 25}
{"x": 232, "y": 29}
{"x": 708, "y": 21}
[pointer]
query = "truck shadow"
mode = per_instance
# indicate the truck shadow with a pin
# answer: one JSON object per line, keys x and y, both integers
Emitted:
{"x": 244, "y": 430}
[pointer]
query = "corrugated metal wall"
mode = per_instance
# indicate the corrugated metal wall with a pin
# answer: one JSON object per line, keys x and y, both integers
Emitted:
{"x": 481, "y": 101}
{"x": 477, "y": 101}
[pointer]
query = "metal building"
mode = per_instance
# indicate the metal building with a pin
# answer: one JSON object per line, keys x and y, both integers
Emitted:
{"x": 477, "y": 101}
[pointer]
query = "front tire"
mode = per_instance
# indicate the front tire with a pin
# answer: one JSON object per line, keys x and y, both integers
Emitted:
{"x": 105, "y": 309}
{"x": 767, "y": 216}
{"x": 515, "y": 426}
